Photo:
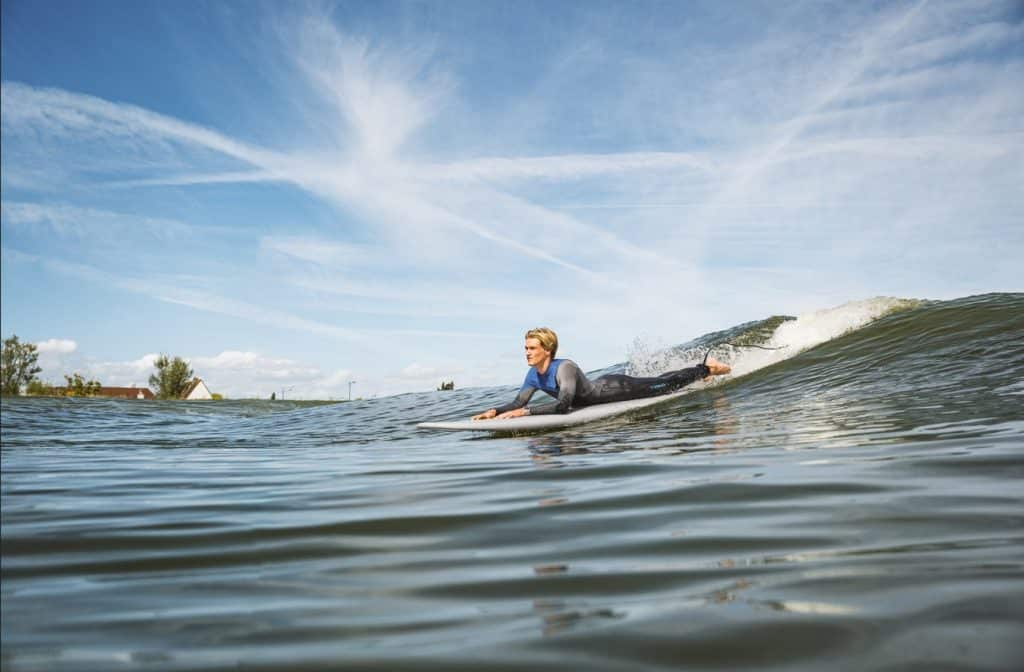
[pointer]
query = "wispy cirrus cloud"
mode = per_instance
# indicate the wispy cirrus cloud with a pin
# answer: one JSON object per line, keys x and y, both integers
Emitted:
{"x": 185, "y": 180}
{"x": 384, "y": 94}
{"x": 321, "y": 251}
{"x": 570, "y": 167}
{"x": 672, "y": 182}
{"x": 59, "y": 114}
{"x": 983, "y": 38}
{"x": 175, "y": 290}
{"x": 61, "y": 219}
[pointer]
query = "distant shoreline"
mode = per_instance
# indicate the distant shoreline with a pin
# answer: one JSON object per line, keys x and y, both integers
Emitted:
{"x": 311, "y": 402}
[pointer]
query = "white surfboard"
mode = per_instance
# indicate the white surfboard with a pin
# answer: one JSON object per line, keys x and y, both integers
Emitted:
{"x": 539, "y": 423}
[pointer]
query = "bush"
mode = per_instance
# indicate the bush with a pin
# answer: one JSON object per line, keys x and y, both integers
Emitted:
{"x": 78, "y": 386}
{"x": 17, "y": 365}
{"x": 38, "y": 388}
{"x": 171, "y": 378}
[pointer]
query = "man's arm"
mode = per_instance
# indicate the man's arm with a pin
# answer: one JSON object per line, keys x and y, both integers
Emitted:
{"x": 509, "y": 410}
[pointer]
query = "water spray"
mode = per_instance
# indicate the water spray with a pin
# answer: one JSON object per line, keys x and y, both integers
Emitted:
{"x": 707, "y": 354}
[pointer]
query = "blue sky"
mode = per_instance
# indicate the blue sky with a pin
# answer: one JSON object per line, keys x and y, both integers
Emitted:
{"x": 295, "y": 195}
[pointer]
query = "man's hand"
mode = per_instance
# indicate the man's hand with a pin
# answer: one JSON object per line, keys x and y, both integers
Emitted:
{"x": 492, "y": 413}
{"x": 716, "y": 368}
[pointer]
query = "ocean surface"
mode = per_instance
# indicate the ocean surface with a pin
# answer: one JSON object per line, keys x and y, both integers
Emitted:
{"x": 852, "y": 500}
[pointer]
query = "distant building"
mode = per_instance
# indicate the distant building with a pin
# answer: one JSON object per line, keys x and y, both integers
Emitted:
{"x": 125, "y": 392}
{"x": 197, "y": 389}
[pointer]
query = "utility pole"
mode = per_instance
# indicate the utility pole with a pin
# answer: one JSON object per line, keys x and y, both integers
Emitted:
{"x": 350, "y": 384}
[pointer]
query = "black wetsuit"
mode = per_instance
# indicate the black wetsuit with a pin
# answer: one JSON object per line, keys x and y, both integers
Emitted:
{"x": 573, "y": 389}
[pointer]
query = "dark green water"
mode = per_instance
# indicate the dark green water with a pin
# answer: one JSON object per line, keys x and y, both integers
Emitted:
{"x": 854, "y": 506}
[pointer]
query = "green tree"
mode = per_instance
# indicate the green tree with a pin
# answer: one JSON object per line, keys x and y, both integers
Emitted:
{"x": 78, "y": 386}
{"x": 171, "y": 378}
{"x": 38, "y": 388}
{"x": 17, "y": 365}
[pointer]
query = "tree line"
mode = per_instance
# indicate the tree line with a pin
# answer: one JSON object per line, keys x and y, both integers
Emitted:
{"x": 19, "y": 371}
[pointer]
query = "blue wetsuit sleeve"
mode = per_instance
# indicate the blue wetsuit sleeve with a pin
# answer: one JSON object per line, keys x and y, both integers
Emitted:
{"x": 566, "y": 378}
{"x": 521, "y": 400}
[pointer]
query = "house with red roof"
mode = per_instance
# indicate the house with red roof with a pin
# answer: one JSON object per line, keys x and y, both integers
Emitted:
{"x": 125, "y": 392}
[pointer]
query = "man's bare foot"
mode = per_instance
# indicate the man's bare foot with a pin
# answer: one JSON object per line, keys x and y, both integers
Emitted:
{"x": 716, "y": 368}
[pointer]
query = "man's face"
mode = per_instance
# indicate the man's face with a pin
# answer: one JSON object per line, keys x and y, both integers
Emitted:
{"x": 535, "y": 355}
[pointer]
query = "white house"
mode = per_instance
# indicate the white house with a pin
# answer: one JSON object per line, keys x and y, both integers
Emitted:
{"x": 197, "y": 389}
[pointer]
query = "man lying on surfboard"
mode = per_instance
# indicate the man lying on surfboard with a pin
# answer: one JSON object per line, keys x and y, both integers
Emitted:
{"x": 563, "y": 379}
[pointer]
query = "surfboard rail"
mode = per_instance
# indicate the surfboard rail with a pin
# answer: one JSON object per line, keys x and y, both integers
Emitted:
{"x": 539, "y": 423}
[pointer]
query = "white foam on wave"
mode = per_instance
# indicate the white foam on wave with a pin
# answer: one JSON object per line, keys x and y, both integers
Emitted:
{"x": 812, "y": 329}
{"x": 791, "y": 338}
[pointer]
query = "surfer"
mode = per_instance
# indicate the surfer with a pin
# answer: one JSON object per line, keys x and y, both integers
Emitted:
{"x": 563, "y": 380}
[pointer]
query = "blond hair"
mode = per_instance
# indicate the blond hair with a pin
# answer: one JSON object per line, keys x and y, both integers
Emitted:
{"x": 548, "y": 339}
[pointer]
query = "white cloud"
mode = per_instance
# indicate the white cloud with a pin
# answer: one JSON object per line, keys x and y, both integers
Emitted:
{"x": 337, "y": 379}
{"x": 236, "y": 374}
{"x": 246, "y": 373}
{"x": 233, "y": 359}
{"x": 56, "y": 346}
{"x": 129, "y": 373}
{"x": 56, "y": 355}
{"x": 418, "y": 372}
